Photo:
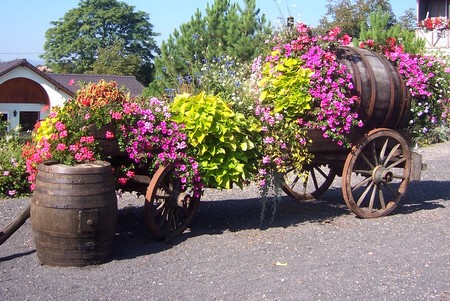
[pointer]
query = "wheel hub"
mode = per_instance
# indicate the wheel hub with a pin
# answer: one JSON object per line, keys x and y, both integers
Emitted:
{"x": 183, "y": 199}
{"x": 381, "y": 174}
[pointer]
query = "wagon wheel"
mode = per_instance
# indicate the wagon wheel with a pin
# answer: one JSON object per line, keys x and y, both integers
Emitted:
{"x": 316, "y": 180}
{"x": 168, "y": 209}
{"x": 376, "y": 173}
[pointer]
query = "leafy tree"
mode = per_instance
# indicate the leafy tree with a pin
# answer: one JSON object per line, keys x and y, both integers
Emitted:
{"x": 226, "y": 29}
{"x": 409, "y": 19}
{"x": 115, "y": 61}
{"x": 75, "y": 42}
{"x": 348, "y": 15}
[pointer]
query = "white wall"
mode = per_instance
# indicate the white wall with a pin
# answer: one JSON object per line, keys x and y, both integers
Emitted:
{"x": 56, "y": 96}
{"x": 9, "y": 109}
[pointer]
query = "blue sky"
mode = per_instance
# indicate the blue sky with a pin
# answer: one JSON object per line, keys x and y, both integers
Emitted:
{"x": 23, "y": 23}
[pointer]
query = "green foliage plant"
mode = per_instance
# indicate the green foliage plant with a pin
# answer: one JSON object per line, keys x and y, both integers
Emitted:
{"x": 378, "y": 31}
{"x": 224, "y": 142}
{"x": 13, "y": 175}
{"x": 225, "y": 76}
{"x": 286, "y": 86}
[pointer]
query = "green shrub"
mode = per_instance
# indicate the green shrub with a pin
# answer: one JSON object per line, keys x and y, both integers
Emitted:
{"x": 225, "y": 143}
{"x": 13, "y": 176}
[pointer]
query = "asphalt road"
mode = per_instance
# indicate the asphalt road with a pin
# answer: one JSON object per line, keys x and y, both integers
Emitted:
{"x": 311, "y": 251}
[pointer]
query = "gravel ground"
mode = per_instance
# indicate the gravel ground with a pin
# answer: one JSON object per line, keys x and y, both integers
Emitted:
{"x": 311, "y": 251}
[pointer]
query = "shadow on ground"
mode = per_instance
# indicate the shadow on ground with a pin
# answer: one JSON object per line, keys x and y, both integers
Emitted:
{"x": 424, "y": 195}
{"x": 237, "y": 214}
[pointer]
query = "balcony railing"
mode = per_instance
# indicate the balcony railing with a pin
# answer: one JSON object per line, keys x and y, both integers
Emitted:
{"x": 437, "y": 39}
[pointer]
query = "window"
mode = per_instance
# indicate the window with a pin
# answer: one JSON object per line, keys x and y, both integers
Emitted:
{"x": 27, "y": 120}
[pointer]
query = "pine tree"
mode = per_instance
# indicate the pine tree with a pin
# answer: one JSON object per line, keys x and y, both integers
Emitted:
{"x": 378, "y": 30}
{"x": 226, "y": 29}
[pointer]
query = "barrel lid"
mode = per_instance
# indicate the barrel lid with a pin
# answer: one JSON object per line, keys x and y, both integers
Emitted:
{"x": 80, "y": 168}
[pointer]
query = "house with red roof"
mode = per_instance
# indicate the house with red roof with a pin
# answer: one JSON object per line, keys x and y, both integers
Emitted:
{"x": 27, "y": 93}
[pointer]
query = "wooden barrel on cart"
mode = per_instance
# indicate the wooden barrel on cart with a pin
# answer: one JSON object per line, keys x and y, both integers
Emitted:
{"x": 73, "y": 213}
{"x": 385, "y": 100}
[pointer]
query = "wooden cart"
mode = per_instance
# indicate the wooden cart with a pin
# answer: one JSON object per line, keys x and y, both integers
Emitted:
{"x": 375, "y": 172}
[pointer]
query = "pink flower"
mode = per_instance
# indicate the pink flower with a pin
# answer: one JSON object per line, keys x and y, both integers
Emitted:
{"x": 74, "y": 147}
{"x": 63, "y": 134}
{"x": 268, "y": 140}
{"x": 109, "y": 135}
{"x": 60, "y": 147}
{"x": 87, "y": 139}
{"x": 122, "y": 181}
{"x": 60, "y": 126}
{"x": 116, "y": 115}
{"x": 346, "y": 40}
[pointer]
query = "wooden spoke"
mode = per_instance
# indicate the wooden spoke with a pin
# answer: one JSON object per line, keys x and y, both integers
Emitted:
{"x": 363, "y": 195}
{"x": 372, "y": 198}
{"x": 394, "y": 192}
{"x": 313, "y": 176}
{"x": 363, "y": 172}
{"x": 396, "y": 163}
{"x": 361, "y": 183}
{"x": 383, "y": 150}
{"x": 165, "y": 216}
{"x": 310, "y": 183}
{"x": 381, "y": 196}
{"x": 400, "y": 177}
{"x": 371, "y": 166}
{"x": 374, "y": 153}
{"x": 394, "y": 149}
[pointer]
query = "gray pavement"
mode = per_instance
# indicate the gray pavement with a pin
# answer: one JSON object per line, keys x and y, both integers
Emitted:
{"x": 311, "y": 251}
